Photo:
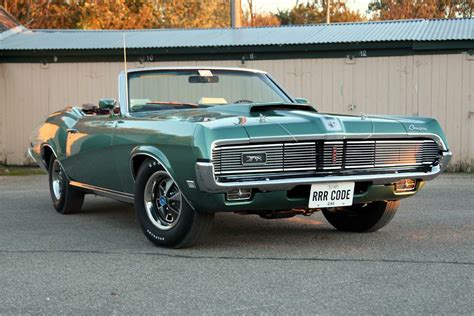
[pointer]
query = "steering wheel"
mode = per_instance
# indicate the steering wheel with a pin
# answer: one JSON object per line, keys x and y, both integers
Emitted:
{"x": 243, "y": 101}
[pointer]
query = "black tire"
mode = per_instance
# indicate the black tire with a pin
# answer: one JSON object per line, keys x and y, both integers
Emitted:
{"x": 68, "y": 200}
{"x": 362, "y": 218}
{"x": 166, "y": 220}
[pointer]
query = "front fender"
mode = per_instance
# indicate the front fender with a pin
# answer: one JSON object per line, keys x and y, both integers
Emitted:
{"x": 53, "y": 147}
{"x": 153, "y": 153}
{"x": 160, "y": 157}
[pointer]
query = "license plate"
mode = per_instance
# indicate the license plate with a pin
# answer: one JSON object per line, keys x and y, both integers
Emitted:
{"x": 331, "y": 194}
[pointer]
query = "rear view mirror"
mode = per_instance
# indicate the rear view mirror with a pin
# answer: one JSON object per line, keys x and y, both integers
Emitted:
{"x": 301, "y": 101}
{"x": 107, "y": 104}
{"x": 203, "y": 79}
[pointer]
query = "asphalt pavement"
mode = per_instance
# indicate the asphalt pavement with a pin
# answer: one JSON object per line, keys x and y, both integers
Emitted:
{"x": 99, "y": 262}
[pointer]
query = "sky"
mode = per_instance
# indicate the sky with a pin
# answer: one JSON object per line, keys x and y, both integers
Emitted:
{"x": 274, "y": 5}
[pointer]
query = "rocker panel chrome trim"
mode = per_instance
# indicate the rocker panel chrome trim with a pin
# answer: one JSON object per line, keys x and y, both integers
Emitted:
{"x": 108, "y": 193}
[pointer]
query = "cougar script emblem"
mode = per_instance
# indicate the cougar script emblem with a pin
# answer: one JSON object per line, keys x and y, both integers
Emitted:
{"x": 412, "y": 127}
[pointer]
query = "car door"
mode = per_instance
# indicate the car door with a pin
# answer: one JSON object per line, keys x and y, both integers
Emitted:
{"x": 89, "y": 157}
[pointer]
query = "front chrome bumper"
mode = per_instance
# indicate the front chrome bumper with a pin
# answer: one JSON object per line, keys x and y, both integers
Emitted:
{"x": 207, "y": 181}
{"x": 38, "y": 161}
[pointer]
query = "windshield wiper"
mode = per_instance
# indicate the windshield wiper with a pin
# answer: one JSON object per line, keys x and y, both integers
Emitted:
{"x": 174, "y": 103}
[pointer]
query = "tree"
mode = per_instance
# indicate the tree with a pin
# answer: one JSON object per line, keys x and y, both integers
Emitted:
{"x": 119, "y": 14}
{"x": 196, "y": 13}
{"x": 250, "y": 18}
{"x": 140, "y": 14}
{"x": 315, "y": 11}
{"x": 43, "y": 14}
{"x": 421, "y": 9}
{"x": 262, "y": 19}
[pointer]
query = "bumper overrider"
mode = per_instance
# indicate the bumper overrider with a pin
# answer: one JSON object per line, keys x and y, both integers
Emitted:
{"x": 207, "y": 181}
{"x": 37, "y": 159}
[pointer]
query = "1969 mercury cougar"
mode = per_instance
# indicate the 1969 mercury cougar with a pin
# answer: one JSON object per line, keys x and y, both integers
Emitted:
{"x": 184, "y": 143}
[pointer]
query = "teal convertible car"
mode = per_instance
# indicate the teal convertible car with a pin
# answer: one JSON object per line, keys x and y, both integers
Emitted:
{"x": 184, "y": 143}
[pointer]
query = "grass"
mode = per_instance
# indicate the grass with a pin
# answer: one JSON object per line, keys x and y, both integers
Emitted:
{"x": 19, "y": 171}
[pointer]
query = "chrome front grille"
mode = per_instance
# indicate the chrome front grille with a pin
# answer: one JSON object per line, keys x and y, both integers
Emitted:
{"x": 332, "y": 155}
{"x": 385, "y": 153}
{"x": 228, "y": 159}
{"x": 299, "y": 156}
{"x": 325, "y": 156}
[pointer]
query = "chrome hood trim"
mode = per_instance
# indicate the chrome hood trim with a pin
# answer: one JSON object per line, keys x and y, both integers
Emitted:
{"x": 331, "y": 136}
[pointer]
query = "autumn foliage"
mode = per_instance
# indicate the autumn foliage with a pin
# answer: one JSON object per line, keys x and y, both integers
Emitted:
{"x": 316, "y": 12}
{"x": 140, "y": 14}
{"x": 120, "y": 14}
{"x": 421, "y": 9}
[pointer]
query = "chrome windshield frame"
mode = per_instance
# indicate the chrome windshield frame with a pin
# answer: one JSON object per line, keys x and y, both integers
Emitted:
{"x": 122, "y": 95}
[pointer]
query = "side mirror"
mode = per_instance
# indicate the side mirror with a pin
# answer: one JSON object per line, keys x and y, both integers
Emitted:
{"x": 107, "y": 104}
{"x": 301, "y": 101}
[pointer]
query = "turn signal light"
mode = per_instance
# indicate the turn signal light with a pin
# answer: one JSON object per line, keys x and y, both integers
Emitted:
{"x": 405, "y": 185}
{"x": 239, "y": 194}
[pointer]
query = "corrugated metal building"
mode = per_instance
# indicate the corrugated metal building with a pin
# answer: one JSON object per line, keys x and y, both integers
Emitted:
{"x": 417, "y": 67}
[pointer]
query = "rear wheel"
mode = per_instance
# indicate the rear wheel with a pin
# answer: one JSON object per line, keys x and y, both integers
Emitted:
{"x": 362, "y": 217}
{"x": 65, "y": 198}
{"x": 164, "y": 214}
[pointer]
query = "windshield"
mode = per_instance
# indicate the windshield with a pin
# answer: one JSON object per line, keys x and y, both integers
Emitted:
{"x": 158, "y": 90}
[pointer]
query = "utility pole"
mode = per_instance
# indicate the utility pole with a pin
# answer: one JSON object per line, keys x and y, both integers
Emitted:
{"x": 328, "y": 12}
{"x": 235, "y": 13}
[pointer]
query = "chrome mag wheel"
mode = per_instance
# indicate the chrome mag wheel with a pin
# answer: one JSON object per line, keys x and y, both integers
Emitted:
{"x": 57, "y": 178}
{"x": 163, "y": 201}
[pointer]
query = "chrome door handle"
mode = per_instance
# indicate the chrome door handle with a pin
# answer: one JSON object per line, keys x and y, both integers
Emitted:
{"x": 72, "y": 130}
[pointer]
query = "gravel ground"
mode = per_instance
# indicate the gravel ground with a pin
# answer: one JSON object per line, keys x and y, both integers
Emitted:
{"x": 98, "y": 261}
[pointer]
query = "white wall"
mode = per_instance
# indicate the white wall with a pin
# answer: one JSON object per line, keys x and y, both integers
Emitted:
{"x": 440, "y": 86}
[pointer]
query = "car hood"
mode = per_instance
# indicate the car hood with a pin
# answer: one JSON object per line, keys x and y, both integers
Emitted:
{"x": 273, "y": 120}
{"x": 267, "y": 120}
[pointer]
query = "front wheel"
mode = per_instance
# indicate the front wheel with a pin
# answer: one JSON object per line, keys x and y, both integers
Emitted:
{"x": 362, "y": 218}
{"x": 164, "y": 214}
{"x": 65, "y": 198}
